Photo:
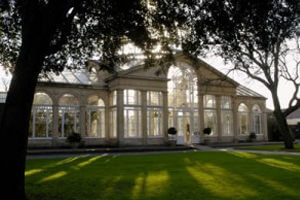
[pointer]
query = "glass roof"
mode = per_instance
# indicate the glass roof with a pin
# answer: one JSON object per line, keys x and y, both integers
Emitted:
{"x": 244, "y": 91}
{"x": 68, "y": 76}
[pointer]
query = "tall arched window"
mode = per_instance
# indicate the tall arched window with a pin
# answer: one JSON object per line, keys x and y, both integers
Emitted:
{"x": 132, "y": 113}
{"x": 226, "y": 106}
{"x": 210, "y": 113}
{"x": 183, "y": 99}
{"x": 256, "y": 113}
{"x": 95, "y": 117}
{"x": 41, "y": 116}
{"x": 243, "y": 119}
{"x": 68, "y": 115}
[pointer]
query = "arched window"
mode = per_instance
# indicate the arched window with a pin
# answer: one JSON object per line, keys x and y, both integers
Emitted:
{"x": 68, "y": 115}
{"x": 182, "y": 87}
{"x": 95, "y": 117}
{"x": 256, "y": 113}
{"x": 41, "y": 116}
{"x": 226, "y": 117}
{"x": 132, "y": 113}
{"x": 210, "y": 113}
{"x": 183, "y": 99}
{"x": 243, "y": 119}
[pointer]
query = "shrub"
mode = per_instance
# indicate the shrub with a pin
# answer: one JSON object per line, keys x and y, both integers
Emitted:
{"x": 207, "y": 131}
{"x": 172, "y": 131}
{"x": 74, "y": 138}
{"x": 252, "y": 136}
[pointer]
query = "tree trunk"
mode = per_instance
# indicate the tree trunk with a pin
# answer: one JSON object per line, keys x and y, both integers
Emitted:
{"x": 14, "y": 126}
{"x": 282, "y": 123}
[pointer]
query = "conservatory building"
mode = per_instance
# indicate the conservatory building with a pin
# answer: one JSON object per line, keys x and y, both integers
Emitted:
{"x": 136, "y": 106}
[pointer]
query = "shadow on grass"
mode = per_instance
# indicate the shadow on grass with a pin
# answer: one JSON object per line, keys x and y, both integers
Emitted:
{"x": 209, "y": 175}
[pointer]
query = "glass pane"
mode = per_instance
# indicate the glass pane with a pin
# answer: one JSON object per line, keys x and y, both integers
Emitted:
{"x": 132, "y": 122}
{"x": 226, "y": 102}
{"x": 96, "y": 101}
{"x": 131, "y": 97}
{"x": 227, "y": 122}
{"x": 182, "y": 87}
{"x": 256, "y": 109}
{"x": 243, "y": 108}
{"x": 154, "y": 122}
{"x": 68, "y": 120}
{"x": 113, "y": 98}
{"x": 243, "y": 124}
{"x": 68, "y": 99}
{"x": 210, "y": 120}
{"x": 113, "y": 123}
{"x": 154, "y": 98}
{"x": 257, "y": 125}
{"x": 209, "y": 101}
{"x": 42, "y": 99}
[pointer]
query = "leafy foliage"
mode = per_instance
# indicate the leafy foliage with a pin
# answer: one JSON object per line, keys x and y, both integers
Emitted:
{"x": 75, "y": 31}
{"x": 207, "y": 131}
{"x": 74, "y": 138}
{"x": 172, "y": 131}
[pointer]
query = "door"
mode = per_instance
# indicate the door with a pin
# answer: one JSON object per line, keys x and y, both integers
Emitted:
{"x": 183, "y": 128}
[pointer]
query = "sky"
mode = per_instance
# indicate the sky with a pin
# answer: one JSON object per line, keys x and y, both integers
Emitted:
{"x": 285, "y": 89}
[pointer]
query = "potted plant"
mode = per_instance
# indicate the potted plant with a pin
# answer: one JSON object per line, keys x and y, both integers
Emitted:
{"x": 172, "y": 139}
{"x": 206, "y": 131}
{"x": 252, "y": 137}
{"x": 74, "y": 139}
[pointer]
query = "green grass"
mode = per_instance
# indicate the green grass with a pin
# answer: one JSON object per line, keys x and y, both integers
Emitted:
{"x": 272, "y": 148}
{"x": 173, "y": 176}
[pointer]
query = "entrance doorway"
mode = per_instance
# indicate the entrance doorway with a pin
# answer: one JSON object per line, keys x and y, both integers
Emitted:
{"x": 186, "y": 123}
{"x": 183, "y": 103}
{"x": 183, "y": 128}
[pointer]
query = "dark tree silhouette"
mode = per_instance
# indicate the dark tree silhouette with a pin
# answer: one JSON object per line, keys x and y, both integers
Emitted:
{"x": 254, "y": 36}
{"x": 39, "y": 36}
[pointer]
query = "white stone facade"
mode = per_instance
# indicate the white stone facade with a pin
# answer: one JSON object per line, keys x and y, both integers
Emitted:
{"x": 139, "y": 95}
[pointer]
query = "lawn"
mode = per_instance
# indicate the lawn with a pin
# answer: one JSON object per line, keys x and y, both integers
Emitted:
{"x": 272, "y": 148}
{"x": 168, "y": 176}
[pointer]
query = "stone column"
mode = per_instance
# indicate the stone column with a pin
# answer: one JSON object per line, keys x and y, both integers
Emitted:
{"x": 235, "y": 120}
{"x": 201, "y": 116}
{"x": 250, "y": 119}
{"x": 55, "y": 117}
{"x": 144, "y": 116}
{"x": 219, "y": 117}
{"x": 82, "y": 109}
{"x": 265, "y": 123}
{"x": 107, "y": 119}
{"x": 120, "y": 115}
{"x": 165, "y": 115}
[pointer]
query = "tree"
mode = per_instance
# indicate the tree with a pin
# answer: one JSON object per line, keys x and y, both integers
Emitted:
{"x": 39, "y": 36}
{"x": 254, "y": 36}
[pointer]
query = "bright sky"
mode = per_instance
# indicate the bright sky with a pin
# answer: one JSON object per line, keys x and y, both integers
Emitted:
{"x": 285, "y": 90}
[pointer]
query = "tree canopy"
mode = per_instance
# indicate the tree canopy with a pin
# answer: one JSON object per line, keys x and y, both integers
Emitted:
{"x": 254, "y": 36}
{"x": 78, "y": 30}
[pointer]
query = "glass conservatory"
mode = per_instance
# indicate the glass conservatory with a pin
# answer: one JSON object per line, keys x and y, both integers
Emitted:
{"x": 136, "y": 106}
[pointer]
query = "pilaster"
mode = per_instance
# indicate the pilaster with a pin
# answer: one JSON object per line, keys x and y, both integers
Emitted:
{"x": 165, "y": 115}
{"x": 144, "y": 116}
{"x": 235, "y": 119}
{"x": 201, "y": 116}
{"x": 120, "y": 115}
{"x": 219, "y": 117}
